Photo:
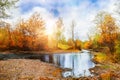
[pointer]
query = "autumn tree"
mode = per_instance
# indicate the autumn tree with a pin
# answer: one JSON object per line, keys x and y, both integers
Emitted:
{"x": 72, "y": 29}
{"x": 33, "y": 30}
{"x": 59, "y": 31}
{"x": 4, "y": 35}
{"x": 107, "y": 30}
{"x": 5, "y": 6}
{"x": 87, "y": 45}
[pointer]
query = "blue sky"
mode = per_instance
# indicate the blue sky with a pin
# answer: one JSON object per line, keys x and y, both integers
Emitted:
{"x": 54, "y": 6}
{"x": 82, "y": 12}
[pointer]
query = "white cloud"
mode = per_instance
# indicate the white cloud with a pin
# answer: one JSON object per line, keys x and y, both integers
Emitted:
{"x": 83, "y": 14}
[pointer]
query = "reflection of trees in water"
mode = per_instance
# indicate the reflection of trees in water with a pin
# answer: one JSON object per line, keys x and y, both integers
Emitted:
{"x": 78, "y": 62}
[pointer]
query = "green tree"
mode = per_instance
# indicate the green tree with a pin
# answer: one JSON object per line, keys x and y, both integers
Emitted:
{"x": 5, "y": 5}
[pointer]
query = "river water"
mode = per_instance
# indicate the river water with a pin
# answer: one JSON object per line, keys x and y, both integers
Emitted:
{"x": 73, "y": 64}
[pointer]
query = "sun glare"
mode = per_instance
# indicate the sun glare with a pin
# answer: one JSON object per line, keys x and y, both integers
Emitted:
{"x": 49, "y": 32}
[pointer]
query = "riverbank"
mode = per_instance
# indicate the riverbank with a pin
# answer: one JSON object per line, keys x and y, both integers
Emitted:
{"x": 31, "y": 69}
{"x": 105, "y": 69}
{"x": 25, "y": 69}
{"x": 39, "y": 52}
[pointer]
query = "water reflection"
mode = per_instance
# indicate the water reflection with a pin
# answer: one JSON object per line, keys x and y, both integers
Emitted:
{"x": 74, "y": 64}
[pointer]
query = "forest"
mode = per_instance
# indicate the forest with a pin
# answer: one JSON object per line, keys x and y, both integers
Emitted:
{"x": 31, "y": 35}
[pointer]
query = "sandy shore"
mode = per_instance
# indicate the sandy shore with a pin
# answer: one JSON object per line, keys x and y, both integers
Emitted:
{"x": 22, "y": 69}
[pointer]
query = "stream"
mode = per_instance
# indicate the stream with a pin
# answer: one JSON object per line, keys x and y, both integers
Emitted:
{"x": 74, "y": 64}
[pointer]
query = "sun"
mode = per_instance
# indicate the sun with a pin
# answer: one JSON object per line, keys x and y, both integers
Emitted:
{"x": 49, "y": 31}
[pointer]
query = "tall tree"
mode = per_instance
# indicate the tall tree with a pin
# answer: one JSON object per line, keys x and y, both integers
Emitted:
{"x": 108, "y": 31}
{"x": 59, "y": 29}
{"x": 35, "y": 29}
{"x": 72, "y": 29}
{"x": 5, "y": 35}
{"x": 72, "y": 32}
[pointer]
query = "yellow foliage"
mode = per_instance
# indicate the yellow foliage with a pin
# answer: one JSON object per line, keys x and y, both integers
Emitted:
{"x": 100, "y": 57}
{"x": 64, "y": 46}
{"x": 78, "y": 44}
{"x": 88, "y": 45}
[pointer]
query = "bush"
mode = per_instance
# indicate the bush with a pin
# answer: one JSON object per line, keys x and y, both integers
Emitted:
{"x": 88, "y": 45}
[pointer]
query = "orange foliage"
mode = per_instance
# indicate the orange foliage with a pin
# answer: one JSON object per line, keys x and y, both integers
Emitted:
{"x": 106, "y": 76}
{"x": 108, "y": 32}
{"x": 78, "y": 44}
{"x": 88, "y": 45}
{"x": 33, "y": 32}
{"x": 28, "y": 35}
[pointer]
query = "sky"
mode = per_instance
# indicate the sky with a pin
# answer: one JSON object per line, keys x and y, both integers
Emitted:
{"x": 82, "y": 12}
